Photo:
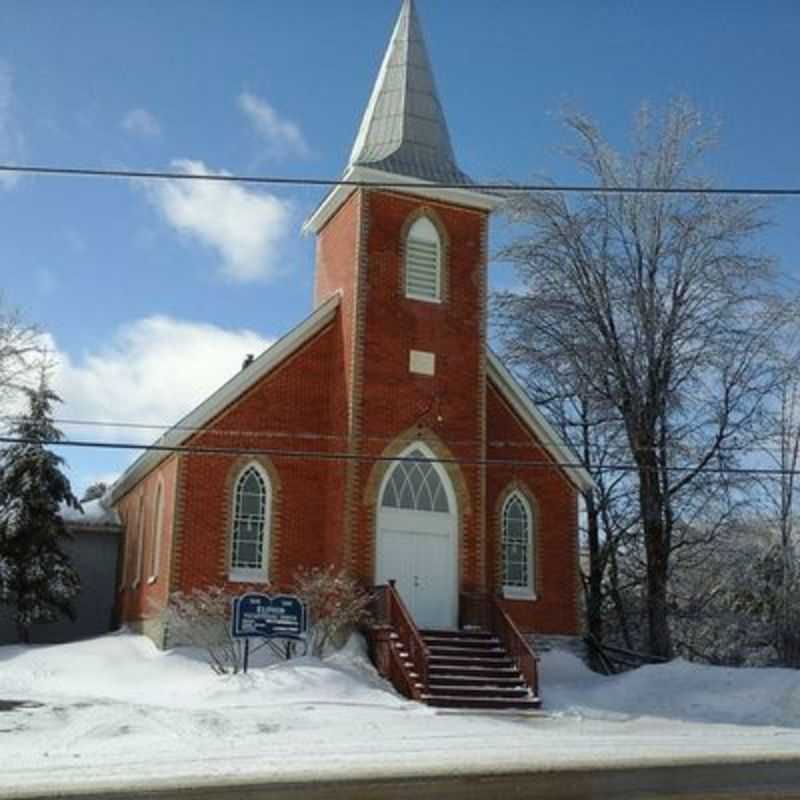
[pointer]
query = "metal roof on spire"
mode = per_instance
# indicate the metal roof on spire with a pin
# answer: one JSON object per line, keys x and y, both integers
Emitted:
{"x": 404, "y": 131}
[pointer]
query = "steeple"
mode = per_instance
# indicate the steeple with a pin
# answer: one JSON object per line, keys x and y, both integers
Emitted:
{"x": 403, "y": 140}
{"x": 404, "y": 131}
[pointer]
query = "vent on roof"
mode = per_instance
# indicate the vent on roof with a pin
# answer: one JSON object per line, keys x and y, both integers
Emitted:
{"x": 423, "y": 261}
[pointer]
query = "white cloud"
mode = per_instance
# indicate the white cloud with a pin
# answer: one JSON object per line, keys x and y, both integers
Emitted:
{"x": 153, "y": 371}
{"x": 140, "y": 122}
{"x": 246, "y": 227}
{"x": 12, "y": 142}
{"x": 282, "y": 136}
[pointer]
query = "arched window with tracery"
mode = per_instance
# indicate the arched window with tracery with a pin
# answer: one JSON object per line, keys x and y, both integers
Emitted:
{"x": 249, "y": 555}
{"x": 415, "y": 484}
{"x": 424, "y": 261}
{"x": 518, "y": 546}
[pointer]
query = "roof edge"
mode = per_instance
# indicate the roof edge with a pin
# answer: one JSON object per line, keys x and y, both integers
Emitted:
{"x": 230, "y": 391}
{"x": 369, "y": 178}
{"x": 549, "y": 438}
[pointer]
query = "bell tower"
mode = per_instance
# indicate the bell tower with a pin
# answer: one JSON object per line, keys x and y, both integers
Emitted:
{"x": 404, "y": 242}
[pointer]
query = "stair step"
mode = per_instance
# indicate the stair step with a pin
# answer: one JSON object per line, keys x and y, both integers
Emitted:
{"x": 456, "y": 634}
{"x": 476, "y": 672}
{"x": 482, "y": 662}
{"x": 487, "y": 691}
{"x": 498, "y": 703}
{"x": 474, "y": 644}
{"x": 470, "y": 679}
{"x": 489, "y": 651}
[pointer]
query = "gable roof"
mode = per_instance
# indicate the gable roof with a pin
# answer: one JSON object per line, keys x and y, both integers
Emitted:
{"x": 548, "y": 437}
{"x": 404, "y": 131}
{"x": 229, "y": 392}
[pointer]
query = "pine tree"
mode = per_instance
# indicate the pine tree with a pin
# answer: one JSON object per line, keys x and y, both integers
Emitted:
{"x": 36, "y": 576}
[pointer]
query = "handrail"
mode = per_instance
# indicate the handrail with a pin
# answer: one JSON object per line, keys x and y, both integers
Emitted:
{"x": 517, "y": 646}
{"x": 399, "y": 618}
{"x": 484, "y": 611}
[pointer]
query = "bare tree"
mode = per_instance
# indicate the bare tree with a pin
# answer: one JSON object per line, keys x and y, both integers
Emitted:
{"x": 658, "y": 305}
{"x": 782, "y": 447}
{"x": 21, "y": 353}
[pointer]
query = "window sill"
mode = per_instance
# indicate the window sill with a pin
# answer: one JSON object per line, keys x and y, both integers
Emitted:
{"x": 434, "y": 300}
{"x": 248, "y": 576}
{"x": 519, "y": 594}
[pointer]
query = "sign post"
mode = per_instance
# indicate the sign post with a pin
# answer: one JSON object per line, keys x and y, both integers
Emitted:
{"x": 270, "y": 618}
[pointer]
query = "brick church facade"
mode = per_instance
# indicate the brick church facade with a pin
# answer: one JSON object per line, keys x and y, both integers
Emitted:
{"x": 381, "y": 435}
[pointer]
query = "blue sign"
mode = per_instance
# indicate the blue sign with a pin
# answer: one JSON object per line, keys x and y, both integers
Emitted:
{"x": 259, "y": 615}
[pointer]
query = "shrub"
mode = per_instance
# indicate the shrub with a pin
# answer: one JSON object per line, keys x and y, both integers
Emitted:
{"x": 335, "y": 602}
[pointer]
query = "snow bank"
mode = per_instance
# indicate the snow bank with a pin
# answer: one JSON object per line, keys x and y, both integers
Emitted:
{"x": 677, "y": 690}
{"x": 115, "y": 711}
{"x": 128, "y": 668}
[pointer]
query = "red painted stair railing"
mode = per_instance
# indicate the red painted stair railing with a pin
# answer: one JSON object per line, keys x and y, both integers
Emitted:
{"x": 484, "y": 611}
{"x": 398, "y": 649}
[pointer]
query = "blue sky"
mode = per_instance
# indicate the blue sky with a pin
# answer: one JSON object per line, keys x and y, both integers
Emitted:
{"x": 152, "y": 294}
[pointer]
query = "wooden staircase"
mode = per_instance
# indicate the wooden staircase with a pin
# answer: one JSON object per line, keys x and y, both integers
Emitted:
{"x": 487, "y": 666}
{"x": 472, "y": 670}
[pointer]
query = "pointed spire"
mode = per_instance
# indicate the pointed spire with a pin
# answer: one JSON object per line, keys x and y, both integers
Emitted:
{"x": 404, "y": 131}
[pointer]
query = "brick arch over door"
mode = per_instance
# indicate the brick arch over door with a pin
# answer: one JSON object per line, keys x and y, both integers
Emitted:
{"x": 375, "y": 481}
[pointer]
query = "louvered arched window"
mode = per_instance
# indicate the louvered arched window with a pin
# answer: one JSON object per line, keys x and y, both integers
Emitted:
{"x": 424, "y": 261}
{"x": 518, "y": 555}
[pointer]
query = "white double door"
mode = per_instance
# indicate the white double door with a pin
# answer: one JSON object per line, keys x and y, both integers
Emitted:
{"x": 418, "y": 549}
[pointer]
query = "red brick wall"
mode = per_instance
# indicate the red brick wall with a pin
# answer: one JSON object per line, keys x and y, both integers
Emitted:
{"x": 148, "y": 597}
{"x": 555, "y": 543}
{"x": 349, "y": 391}
{"x": 292, "y": 405}
{"x": 393, "y": 400}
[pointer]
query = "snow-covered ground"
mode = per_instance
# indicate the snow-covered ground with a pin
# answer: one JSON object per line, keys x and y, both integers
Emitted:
{"x": 116, "y": 710}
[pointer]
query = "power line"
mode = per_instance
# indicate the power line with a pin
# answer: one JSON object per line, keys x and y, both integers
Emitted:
{"x": 279, "y": 434}
{"x": 371, "y": 459}
{"x": 274, "y": 180}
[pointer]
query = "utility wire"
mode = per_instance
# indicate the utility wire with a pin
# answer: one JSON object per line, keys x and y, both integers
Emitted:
{"x": 361, "y": 184}
{"x": 339, "y": 456}
{"x": 278, "y": 434}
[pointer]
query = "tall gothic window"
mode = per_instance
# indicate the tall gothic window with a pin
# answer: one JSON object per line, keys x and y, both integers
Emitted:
{"x": 250, "y": 538}
{"x": 424, "y": 261}
{"x": 158, "y": 534}
{"x": 518, "y": 556}
{"x": 137, "y": 578}
{"x": 415, "y": 484}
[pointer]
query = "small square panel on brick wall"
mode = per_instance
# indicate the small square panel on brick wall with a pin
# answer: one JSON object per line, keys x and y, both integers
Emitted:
{"x": 421, "y": 363}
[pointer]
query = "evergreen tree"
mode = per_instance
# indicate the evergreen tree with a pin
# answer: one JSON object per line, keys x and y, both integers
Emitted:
{"x": 36, "y": 576}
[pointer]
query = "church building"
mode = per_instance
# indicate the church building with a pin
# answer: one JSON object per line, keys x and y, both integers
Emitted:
{"x": 382, "y": 434}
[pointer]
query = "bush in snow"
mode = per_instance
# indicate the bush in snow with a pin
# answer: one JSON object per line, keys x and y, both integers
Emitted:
{"x": 36, "y": 576}
{"x": 335, "y": 601}
{"x": 202, "y": 618}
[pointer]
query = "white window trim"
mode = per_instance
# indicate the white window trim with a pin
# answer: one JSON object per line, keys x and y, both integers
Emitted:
{"x": 139, "y": 545}
{"x": 520, "y": 592}
{"x": 254, "y": 574}
{"x": 158, "y": 534}
{"x": 410, "y": 294}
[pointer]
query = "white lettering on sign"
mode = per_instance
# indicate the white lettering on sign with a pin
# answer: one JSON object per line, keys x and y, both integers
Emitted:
{"x": 421, "y": 362}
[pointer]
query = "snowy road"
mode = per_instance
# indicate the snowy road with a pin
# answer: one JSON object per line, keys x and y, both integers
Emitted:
{"x": 773, "y": 780}
{"x": 114, "y": 714}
